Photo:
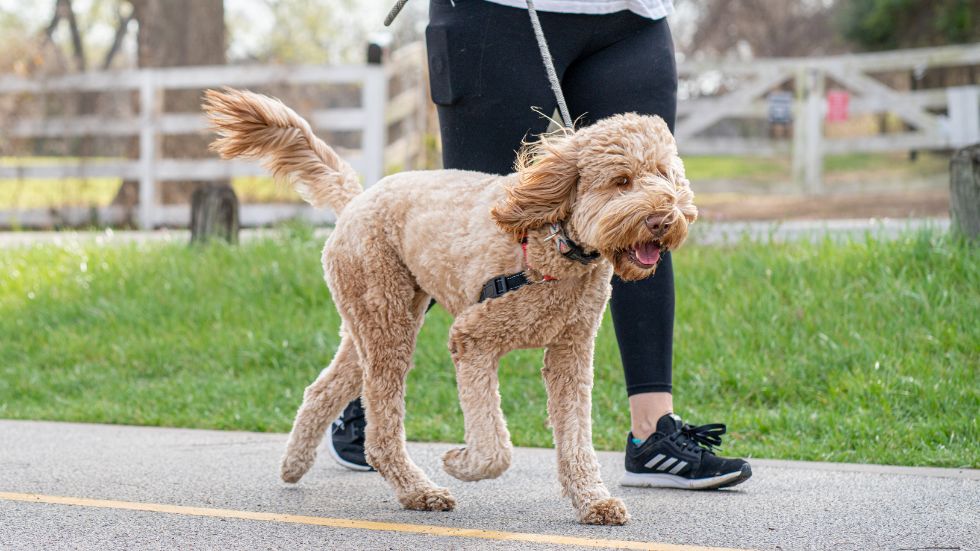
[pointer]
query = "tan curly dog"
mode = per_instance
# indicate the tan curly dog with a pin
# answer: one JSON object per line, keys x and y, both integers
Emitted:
{"x": 613, "y": 192}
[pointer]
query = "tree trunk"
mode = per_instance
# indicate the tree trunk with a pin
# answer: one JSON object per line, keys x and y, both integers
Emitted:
{"x": 176, "y": 33}
{"x": 964, "y": 192}
{"x": 214, "y": 213}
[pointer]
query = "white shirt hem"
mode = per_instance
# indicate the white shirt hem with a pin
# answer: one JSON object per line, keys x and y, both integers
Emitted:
{"x": 651, "y": 9}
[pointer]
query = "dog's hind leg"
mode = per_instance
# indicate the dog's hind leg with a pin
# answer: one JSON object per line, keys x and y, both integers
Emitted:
{"x": 386, "y": 339}
{"x": 488, "y": 448}
{"x": 323, "y": 400}
{"x": 568, "y": 377}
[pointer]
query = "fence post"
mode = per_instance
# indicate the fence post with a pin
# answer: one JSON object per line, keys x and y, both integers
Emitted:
{"x": 374, "y": 102}
{"x": 964, "y": 191}
{"x": 799, "y": 125}
{"x": 964, "y": 115}
{"x": 816, "y": 83}
{"x": 149, "y": 118}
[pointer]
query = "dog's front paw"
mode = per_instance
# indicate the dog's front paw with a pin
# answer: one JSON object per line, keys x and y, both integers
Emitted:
{"x": 610, "y": 511}
{"x": 468, "y": 465}
{"x": 430, "y": 499}
{"x": 294, "y": 466}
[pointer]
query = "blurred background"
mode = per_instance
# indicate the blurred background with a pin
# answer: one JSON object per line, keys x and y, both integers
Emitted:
{"x": 857, "y": 102}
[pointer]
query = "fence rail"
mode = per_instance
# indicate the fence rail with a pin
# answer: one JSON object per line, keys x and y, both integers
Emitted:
{"x": 376, "y": 112}
{"x": 933, "y": 118}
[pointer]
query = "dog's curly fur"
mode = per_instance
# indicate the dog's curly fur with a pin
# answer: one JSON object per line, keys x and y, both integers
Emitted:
{"x": 442, "y": 234}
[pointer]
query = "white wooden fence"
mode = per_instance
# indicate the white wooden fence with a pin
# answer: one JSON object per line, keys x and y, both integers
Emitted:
{"x": 749, "y": 83}
{"x": 938, "y": 118}
{"x": 376, "y": 112}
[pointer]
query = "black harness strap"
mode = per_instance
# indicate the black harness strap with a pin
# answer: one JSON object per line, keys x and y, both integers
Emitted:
{"x": 566, "y": 247}
{"x": 502, "y": 284}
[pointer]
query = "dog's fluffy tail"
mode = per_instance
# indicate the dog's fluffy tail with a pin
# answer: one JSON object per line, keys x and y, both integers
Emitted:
{"x": 253, "y": 126}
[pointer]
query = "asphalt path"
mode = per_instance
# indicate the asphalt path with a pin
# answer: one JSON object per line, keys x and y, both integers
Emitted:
{"x": 105, "y": 487}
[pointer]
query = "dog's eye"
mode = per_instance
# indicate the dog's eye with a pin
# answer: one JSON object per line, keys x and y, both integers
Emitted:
{"x": 622, "y": 181}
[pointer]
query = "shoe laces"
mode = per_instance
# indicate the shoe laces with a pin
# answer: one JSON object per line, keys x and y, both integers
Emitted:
{"x": 705, "y": 437}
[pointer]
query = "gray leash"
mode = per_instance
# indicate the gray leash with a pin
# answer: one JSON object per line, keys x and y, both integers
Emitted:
{"x": 549, "y": 64}
{"x": 395, "y": 10}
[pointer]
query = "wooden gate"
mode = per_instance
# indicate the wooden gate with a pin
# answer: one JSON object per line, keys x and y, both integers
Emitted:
{"x": 935, "y": 118}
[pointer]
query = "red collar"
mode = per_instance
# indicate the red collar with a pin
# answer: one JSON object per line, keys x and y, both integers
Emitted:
{"x": 500, "y": 285}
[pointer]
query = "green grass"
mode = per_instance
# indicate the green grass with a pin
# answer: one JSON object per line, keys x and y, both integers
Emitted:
{"x": 778, "y": 170}
{"x": 863, "y": 352}
{"x": 25, "y": 193}
{"x": 753, "y": 169}
{"x": 926, "y": 164}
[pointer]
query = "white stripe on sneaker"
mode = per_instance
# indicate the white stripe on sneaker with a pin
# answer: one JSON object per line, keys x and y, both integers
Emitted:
{"x": 663, "y": 466}
{"x": 678, "y": 467}
{"x": 664, "y": 480}
{"x": 654, "y": 461}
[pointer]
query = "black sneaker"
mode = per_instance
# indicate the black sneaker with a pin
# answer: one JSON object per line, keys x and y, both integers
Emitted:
{"x": 347, "y": 438}
{"x": 681, "y": 456}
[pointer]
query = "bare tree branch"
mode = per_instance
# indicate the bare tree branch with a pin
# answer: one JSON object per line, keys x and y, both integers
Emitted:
{"x": 771, "y": 28}
{"x": 49, "y": 31}
{"x": 76, "y": 35}
{"x": 117, "y": 40}
{"x": 49, "y": 36}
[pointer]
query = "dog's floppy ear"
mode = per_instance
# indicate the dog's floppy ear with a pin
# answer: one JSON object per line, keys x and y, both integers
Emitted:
{"x": 545, "y": 191}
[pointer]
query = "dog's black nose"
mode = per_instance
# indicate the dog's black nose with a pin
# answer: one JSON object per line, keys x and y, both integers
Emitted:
{"x": 657, "y": 224}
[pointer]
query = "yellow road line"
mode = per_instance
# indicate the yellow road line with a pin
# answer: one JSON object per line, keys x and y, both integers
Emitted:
{"x": 446, "y": 531}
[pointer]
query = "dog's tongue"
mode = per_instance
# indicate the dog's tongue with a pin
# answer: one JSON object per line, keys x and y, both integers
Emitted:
{"x": 647, "y": 253}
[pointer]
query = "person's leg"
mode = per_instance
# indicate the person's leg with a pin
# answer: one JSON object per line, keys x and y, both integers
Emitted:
{"x": 646, "y": 345}
{"x": 635, "y": 72}
{"x": 630, "y": 67}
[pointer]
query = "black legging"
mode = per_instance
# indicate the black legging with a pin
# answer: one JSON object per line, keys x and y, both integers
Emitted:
{"x": 486, "y": 74}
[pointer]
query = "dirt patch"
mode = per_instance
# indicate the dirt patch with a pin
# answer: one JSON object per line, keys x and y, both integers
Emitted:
{"x": 908, "y": 204}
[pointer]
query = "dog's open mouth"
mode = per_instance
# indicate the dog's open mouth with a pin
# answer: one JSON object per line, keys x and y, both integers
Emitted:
{"x": 645, "y": 255}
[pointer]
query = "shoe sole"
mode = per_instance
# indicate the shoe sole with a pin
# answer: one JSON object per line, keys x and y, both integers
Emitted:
{"x": 344, "y": 463}
{"x": 663, "y": 480}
